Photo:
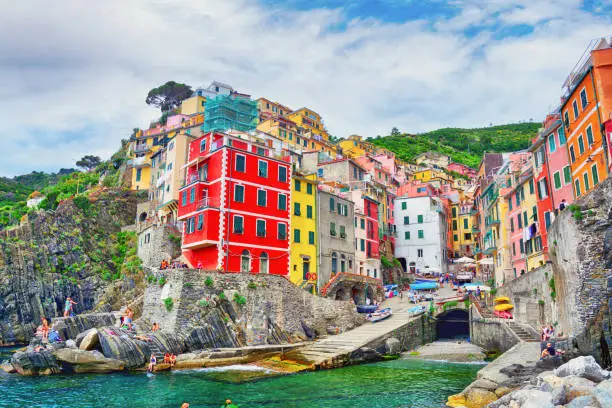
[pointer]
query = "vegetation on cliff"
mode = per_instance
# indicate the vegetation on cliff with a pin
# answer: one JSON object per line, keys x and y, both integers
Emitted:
{"x": 463, "y": 145}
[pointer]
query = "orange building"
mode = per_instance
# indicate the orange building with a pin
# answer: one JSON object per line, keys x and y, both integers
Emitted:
{"x": 586, "y": 105}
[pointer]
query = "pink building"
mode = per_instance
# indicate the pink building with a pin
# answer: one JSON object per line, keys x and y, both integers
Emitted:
{"x": 557, "y": 160}
{"x": 463, "y": 170}
{"x": 416, "y": 188}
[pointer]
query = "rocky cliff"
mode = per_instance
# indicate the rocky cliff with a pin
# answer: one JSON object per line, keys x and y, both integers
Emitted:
{"x": 580, "y": 241}
{"x": 78, "y": 250}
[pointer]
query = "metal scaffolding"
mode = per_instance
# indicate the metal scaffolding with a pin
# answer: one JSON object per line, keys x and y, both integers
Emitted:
{"x": 230, "y": 112}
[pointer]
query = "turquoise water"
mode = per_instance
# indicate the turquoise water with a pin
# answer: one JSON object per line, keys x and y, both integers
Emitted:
{"x": 398, "y": 383}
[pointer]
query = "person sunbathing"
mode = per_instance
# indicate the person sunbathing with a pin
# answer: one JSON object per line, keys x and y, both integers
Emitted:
{"x": 172, "y": 360}
{"x": 167, "y": 358}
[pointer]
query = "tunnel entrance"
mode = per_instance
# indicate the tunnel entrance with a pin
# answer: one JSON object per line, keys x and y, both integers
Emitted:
{"x": 453, "y": 324}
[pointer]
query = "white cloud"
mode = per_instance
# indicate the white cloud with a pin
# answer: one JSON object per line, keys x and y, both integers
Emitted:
{"x": 75, "y": 75}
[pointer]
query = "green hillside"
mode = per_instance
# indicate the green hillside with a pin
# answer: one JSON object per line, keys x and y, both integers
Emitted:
{"x": 463, "y": 145}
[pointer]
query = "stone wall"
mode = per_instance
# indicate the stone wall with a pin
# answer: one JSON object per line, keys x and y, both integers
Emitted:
{"x": 411, "y": 335}
{"x": 490, "y": 334}
{"x": 155, "y": 245}
{"x": 531, "y": 296}
{"x": 582, "y": 262}
{"x": 274, "y": 311}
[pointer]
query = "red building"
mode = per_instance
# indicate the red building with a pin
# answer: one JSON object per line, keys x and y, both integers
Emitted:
{"x": 235, "y": 206}
{"x": 370, "y": 207}
{"x": 463, "y": 170}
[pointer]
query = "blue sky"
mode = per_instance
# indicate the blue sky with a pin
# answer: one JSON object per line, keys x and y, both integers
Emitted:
{"x": 75, "y": 78}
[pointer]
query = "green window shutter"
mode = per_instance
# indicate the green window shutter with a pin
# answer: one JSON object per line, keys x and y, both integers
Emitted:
{"x": 332, "y": 228}
{"x": 309, "y": 211}
{"x": 454, "y": 225}
{"x": 420, "y": 218}
{"x": 262, "y": 198}
{"x": 238, "y": 227}
{"x": 407, "y": 235}
{"x": 421, "y": 234}
{"x": 595, "y": 175}
{"x": 567, "y": 175}
{"x": 362, "y": 245}
{"x": 587, "y": 186}
{"x": 282, "y": 202}
{"x": 525, "y": 219}
{"x": 239, "y": 193}
{"x": 332, "y": 204}
{"x": 308, "y": 188}
{"x": 454, "y": 212}
{"x": 311, "y": 237}
{"x": 465, "y": 223}
{"x": 557, "y": 180}
{"x": 589, "y": 133}
{"x": 404, "y": 205}
{"x": 455, "y": 238}
{"x": 261, "y": 228}
{"x": 296, "y": 236}
{"x": 362, "y": 223}
{"x": 531, "y": 186}
{"x": 296, "y": 209}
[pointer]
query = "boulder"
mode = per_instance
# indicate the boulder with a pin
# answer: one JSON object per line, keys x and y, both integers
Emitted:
{"x": 71, "y": 344}
{"x": 456, "y": 401}
{"x": 501, "y": 391}
{"x": 478, "y": 398}
{"x": 585, "y": 367}
{"x": 485, "y": 384}
{"x": 559, "y": 395}
{"x": 393, "y": 346}
{"x": 8, "y": 368}
{"x": 603, "y": 393}
{"x": 524, "y": 399}
{"x": 118, "y": 344}
{"x": 90, "y": 340}
{"x": 32, "y": 363}
{"x": 81, "y": 361}
{"x": 574, "y": 386}
{"x": 70, "y": 327}
{"x": 586, "y": 401}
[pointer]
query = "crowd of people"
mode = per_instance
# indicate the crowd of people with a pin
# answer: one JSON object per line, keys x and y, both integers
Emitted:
{"x": 173, "y": 265}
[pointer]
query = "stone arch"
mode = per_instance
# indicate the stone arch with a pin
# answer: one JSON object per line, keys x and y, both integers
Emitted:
{"x": 342, "y": 294}
{"x": 453, "y": 323}
{"x": 142, "y": 217}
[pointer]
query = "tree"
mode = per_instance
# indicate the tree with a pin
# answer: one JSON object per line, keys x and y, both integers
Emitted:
{"x": 395, "y": 131}
{"x": 168, "y": 96}
{"x": 89, "y": 162}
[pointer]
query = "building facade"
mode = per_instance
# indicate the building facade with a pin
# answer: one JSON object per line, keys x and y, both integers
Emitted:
{"x": 304, "y": 256}
{"x": 235, "y": 206}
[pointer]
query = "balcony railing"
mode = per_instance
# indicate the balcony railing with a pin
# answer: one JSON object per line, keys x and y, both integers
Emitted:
{"x": 141, "y": 148}
{"x": 140, "y": 162}
{"x": 208, "y": 202}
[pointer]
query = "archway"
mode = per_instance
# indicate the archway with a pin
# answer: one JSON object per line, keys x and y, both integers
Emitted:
{"x": 263, "y": 263}
{"x": 453, "y": 324}
{"x": 142, "y": 217}
{"x": 342, "y": 294}
{"x": 402, "y": 262}
{"x": 245, "y": 261}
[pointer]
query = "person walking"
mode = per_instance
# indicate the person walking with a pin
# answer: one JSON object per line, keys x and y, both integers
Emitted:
{"x": 68, "y": 306}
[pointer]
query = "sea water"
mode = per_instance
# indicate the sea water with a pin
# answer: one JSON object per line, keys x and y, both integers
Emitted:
{"x": 398, "y": 383}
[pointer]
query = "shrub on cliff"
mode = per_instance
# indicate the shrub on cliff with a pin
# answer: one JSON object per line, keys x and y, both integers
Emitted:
{"x": 169, "y": 303}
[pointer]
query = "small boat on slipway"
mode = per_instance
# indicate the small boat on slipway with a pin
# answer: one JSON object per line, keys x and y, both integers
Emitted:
{"x": 379, "y": 315}
{"x": 366, "y": 308}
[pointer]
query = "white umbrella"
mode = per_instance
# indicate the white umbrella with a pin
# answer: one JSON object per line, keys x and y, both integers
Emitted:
{"x": 464, "y": 259}
{"x": 472, "y": 286}
{"x": 486, "y": 261}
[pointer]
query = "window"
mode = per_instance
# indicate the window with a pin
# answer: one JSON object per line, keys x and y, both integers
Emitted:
{"x": 262, "y": 198}
{"x": 332, "y": 204}
{"x": 567, "y": 175}
{"x": 510, "y": 204}
{"x": 572, "y": 154}
{"x": 332, "y": 229}
{"x": 552, "y": 147}
{"x": 203, "y": 145}
{"x": 587, "y": 186}
{"x": 561, "y": 136}
{"x": 262, "y": 169}
{"x": 465, "y": 223}
{"x": 580, "y": 144}
{"x": 138, "y": 174}
{"x": 200, "y": 221}
{"x": 192, "y": 194}
{"x": 282, "y": 231}
{"x": 296, "y": 236}
{"x": 577, "y": 182}
{"x": 511, "y": 224}
{"x": 261, "y": 228}
{"x": 514, "y": 248}
{"x": 589, "y": 133}
{"x": 239, "y": 193}
{"x": 547, "y": 219}
{"x": 534, "y": 211}
{"x": 557, "y": 180}
{"x": 518, "y": 199}
{"x": 296, "y": 209}
{"x": 419, "y": 253}
{"x": 362, "y": 223}
{"x": 297, "y": 185}
{"x": 404, "y": 205}
{"x": 454, "y": 225}
{"x": 421, "y": 234}
{"x": 309, "y": 188}
{"x": 311, "y": 237}
{"x": 342, "y": 231}
{"x": 420, "y": 218}
{"x": 334, "y": 262}
{"x": 525, "y": 219}
{"x": 238, "y": 224}
{"x": 309, "y": 211}
{"x": 282, "y": 202}
{"x": 406, "y": 235}
{"x": 184, "y": 200}
{"x": 595, "y": 175}
{"x": 583, "y": 98}
{"x": 543, "y": 188}
{"x": 467, "y": 236}
{"x": 282, "y": 174}
{"x": 406, "y": 220}
{"x": 575, "y": 109}
{"x": 522, "y": 246}
{"x": 519, "y": 222}
{"x": 566, "y": 118}
{"x": 454, "y": 212}
{"x": 455, "y": 237}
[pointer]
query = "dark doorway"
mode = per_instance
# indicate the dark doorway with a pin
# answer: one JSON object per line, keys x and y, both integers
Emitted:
{"x": 453, "y": 324}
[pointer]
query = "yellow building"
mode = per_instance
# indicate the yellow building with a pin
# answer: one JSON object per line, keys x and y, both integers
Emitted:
{"x": 303, "y": 231}
{"x": 193, "y": 105}
{"x": 281, "y": 128}
{"x": 142, "y": 149}
{"x": 428, "y": 174}
{"x": 352, "y": 147}
{"x": 529, "y": 206}
{"x": 461, "y": 223}
{"x": 310, "y": 121}
{"x": 269, "y": 109}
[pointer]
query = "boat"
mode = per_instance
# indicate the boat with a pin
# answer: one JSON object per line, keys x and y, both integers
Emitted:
{"x": 450, "y": 299}
{"x": 417, "y": 310}
{"x": 503, "y": 299}
{"x": 379, "y": 315}
{"x": 366, "y": 308}
{"x": 503, "y": 307}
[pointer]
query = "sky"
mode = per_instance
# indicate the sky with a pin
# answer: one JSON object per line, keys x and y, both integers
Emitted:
{"x": 74, "y": 75}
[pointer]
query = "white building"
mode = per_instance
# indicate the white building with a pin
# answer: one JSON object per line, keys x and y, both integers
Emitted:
{"x": 421, "y": 233}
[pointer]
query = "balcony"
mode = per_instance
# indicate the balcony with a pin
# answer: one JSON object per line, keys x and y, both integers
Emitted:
{"x": 143, "y": 148}
{"x": 475, "y": 228}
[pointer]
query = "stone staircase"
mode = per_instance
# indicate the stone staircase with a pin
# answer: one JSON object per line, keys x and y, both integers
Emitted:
{"x": 521, "y": 332}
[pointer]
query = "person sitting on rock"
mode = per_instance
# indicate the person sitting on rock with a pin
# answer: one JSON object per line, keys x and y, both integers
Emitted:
{"x": 167, "y": 358}
{"x": 155, "y": 327}
{"x": 45, "y": 328}
{"x": 172, "y": 360}
{"x": 550, "y": 351}
{"x": 152, "y": 363}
